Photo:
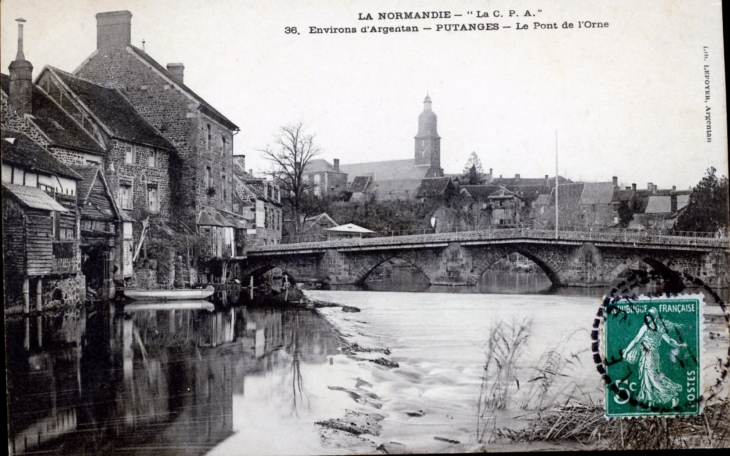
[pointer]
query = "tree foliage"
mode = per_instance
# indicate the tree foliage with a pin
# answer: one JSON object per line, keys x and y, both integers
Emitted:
{"x": 476, "y": 163}
{"x": 708, "y": 205}
{"x": 625, "y": 214}
{"x": 290, "y": 153}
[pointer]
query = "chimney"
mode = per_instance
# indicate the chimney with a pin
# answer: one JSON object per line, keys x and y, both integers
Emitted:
{"x": 113, "y": 30}
{"x": 176, "y": 70}
{"x": 674, "y": 187}
{"x": 673, "y": 203}
{"x": 615, "y": 181}
{"x": 337, "y": 165}
{"x": 650, "y": 186}
{"x": 628, "y": 188}
{"x": 517, "y": 178}
{"x": 20, "y": 92}
{"x": 633, "y": 187}
{"x": 490, "y": 176}
{"x": 240, "y": 161}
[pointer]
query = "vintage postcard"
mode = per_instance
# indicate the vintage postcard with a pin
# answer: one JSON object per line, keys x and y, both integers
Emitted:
{"x": 365, "y": 227}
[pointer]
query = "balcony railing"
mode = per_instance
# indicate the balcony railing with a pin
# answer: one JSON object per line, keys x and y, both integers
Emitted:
{"x": 656, "y": 238}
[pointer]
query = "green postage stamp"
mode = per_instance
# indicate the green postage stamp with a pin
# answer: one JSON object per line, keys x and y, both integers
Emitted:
{"x": 652, "y": 353}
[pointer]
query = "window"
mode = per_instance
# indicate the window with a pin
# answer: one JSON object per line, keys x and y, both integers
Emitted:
{"x": 53, "y": 224}
{"x": 207, "y": 177}
{"x": 207, "y": 139}
{"x": 224, "y": 186}
{"x": 223, "y": 151}
{"x": 129, "y": 154}
{"x": 66, "y": 233}
{"x": 125, "y": 195}
{"x": 154, "y": 159}
{"x": 153, "y": 199}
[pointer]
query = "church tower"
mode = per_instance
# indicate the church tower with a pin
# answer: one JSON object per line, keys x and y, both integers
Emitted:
{"x": 428, "y": 141}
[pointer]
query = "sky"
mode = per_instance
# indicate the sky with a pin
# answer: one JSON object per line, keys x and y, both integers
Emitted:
{"x": 627, "y": 100}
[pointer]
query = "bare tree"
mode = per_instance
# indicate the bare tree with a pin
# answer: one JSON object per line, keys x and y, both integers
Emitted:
{"x": 290, "y": 153}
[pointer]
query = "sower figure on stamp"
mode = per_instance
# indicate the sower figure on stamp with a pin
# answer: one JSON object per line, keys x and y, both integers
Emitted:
{"x": 656, "y": 388}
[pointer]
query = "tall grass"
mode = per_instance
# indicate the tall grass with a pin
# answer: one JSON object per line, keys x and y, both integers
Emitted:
{"x": 585, "y": 423}
{"x": 557, "y": 410}
{"x": 503, "y": 349}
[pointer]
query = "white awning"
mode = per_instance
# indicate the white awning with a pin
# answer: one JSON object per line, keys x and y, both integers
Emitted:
{"x": 34, "y": 197}
{"x": 349, "y": 228}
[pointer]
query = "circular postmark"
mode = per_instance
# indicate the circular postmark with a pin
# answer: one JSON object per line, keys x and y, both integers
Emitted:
{"x": 649, "y": 348}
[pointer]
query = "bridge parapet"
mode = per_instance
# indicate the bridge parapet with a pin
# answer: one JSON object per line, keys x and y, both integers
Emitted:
{"x": 627, "y": 238}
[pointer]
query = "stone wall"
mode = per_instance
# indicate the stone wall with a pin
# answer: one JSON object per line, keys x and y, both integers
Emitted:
{"x": 144, "y": 279}
{"x": 140, "y": 175}
{"x": 59, "y": 291}
{"x": 12, "y": 122}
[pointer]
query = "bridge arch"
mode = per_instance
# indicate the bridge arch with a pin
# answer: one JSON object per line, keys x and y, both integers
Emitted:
{"x": 259, "y": 270}
{"x": 483, "y": 259}
{"x": 366, "y": 269}
{"x": 662, "y": 266}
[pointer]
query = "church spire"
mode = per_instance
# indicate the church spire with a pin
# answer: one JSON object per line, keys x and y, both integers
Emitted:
{"x": 427, "y": 140}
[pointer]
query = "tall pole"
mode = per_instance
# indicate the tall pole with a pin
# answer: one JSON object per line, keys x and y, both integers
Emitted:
{"x": 557, "y": 220}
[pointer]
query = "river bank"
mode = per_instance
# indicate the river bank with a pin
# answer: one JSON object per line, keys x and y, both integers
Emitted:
{"x": 424, "y": 362}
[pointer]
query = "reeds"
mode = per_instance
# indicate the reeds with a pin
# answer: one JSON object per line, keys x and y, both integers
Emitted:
{"x": 503, "y": 349}
{"x": 584, "y": 422}
{"x": 558, "y": 411}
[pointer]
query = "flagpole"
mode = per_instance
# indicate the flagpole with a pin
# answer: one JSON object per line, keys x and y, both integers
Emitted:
{"x": 557, "y": 220}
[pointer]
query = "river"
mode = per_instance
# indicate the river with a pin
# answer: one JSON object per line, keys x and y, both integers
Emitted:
{"x": 243, "y": 380}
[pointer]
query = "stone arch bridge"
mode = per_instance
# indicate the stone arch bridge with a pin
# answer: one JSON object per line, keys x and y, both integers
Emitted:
{"x": 570, "y": 259}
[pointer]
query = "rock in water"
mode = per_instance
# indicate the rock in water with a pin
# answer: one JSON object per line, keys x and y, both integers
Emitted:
{"x": 350, "y": 309}
{"x": 392, "y": 448}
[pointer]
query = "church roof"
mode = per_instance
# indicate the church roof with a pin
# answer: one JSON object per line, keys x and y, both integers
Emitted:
{"x": 386, "y": 170}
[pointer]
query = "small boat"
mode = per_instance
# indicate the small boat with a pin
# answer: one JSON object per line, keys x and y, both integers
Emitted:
{"x": 170, "y": 295}
{"x": 170, "y": 305}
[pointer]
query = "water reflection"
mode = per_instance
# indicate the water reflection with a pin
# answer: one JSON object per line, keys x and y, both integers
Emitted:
{"x": 157, "y": 379}
{"x": 498, "y": 282}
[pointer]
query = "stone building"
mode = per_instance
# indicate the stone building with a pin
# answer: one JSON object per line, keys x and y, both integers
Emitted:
{"x": 258, "y": 200}
{"x": 202, "y": 167}
{"x": 325, "y": 179}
